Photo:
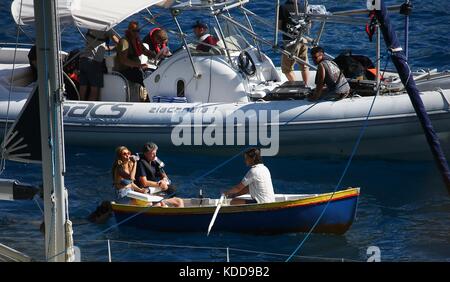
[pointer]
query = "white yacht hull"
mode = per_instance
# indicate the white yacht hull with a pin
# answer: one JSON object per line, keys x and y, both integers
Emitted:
{"x": 321, "y": 130}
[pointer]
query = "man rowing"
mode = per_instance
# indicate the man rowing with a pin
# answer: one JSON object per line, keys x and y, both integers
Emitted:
{"x": 257, "y": 182}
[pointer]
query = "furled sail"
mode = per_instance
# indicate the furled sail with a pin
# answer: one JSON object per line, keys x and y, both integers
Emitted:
{"x": 23, "y": 141}
{"x": 98, "y": 15}
{"x": 404, "y": 71}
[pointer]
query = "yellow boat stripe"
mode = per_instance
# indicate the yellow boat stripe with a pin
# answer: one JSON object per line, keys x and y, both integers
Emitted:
{"x": 321, "y": 198}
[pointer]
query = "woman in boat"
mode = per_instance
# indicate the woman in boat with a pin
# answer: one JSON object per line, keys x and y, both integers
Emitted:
{"x": 257, "y": 182}
{"x": 124, "y": 171}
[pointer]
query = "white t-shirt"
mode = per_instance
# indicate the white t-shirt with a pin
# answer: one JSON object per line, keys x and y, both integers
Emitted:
{"x": 259, "y": 184}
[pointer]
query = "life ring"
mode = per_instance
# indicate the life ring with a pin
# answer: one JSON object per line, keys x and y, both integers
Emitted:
{"x": 246, "y": 63}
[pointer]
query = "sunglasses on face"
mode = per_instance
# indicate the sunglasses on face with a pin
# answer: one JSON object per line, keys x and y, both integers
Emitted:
{"x": 126, "y": 153}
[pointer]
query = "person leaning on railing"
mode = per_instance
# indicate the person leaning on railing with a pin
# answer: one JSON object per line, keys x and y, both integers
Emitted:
{"x": 91, "y": 62}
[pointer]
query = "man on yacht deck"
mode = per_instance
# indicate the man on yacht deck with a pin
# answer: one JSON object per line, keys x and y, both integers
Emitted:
{"x": 91, "y": 62}
{"x": 129, "y": 49}
{"x": 329, "y": 75}
{"x": 298, "y": 48}
{"x": 200, "y": 31}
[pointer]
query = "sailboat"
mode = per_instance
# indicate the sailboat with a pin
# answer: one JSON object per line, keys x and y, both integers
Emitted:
{"x": 193, "y": 90}
{"x": 42, "y": 116}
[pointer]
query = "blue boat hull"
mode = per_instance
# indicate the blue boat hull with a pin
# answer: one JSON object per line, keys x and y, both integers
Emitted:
{"x": 337, "y": 219}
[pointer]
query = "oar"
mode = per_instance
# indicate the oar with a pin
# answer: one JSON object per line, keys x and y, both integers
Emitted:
{"x": 213, "y": 219}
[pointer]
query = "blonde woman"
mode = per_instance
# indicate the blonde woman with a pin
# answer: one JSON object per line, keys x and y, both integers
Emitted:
{"x": 124, "y": 171}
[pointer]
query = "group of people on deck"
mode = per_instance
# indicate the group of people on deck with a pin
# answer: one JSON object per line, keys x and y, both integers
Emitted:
{"x": 144, "y": 174}
{"x": 128, "y": 49}
{"x": 329, "y": 79}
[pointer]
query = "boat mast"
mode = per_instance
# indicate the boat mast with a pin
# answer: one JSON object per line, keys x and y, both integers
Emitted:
{"x": 50, "y": 92}
{"x": 400, "y": 61}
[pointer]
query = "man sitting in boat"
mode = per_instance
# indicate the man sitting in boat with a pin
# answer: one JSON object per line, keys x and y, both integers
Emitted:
{"x": 158, "y": 40}
{"x": 129, "y": 49}
{"x": 149, "y": 170}
{"x": 257, "y": 182}
{"x": 329, "y": 75}
{"x": 200, "y": 31}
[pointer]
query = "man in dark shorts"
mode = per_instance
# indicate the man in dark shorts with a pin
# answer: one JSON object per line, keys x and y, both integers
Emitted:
{"x": 91, "y": 63}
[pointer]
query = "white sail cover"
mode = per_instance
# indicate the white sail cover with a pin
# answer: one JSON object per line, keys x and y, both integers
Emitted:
{"x": 93, "y": 14}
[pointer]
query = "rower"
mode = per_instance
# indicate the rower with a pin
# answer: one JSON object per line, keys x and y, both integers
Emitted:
{"x": 257, "y": 182}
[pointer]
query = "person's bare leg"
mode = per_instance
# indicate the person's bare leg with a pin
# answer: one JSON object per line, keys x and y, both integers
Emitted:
{"x": 83, "y": 91}
{"x": 290, "y": 76}
{"x": 176, "y": 202}
{"x": 94, "y": 93}
{"x": 180, "y": 202}
{"x": 305, "y": 76}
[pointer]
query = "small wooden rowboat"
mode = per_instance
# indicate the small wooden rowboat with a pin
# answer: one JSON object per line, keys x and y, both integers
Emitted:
{"x": 290, "y": 213}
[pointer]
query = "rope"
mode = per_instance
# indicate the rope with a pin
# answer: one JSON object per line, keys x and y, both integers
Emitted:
{"x": 354, "y": 150}
{"x": 39, "y": 206}
{"x": 194, "y": 247}
{"x": 218, "y": 166}
{"x": 3, "y": 159}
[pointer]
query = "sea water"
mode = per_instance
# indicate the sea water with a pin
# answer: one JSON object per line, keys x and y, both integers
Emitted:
{"x": 403, "y": 209}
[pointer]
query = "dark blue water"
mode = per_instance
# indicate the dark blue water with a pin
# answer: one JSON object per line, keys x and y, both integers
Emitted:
{"x": 404, "y": 208}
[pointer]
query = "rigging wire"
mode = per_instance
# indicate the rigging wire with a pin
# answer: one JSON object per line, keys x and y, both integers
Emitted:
{"x": 344, "y": 172}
